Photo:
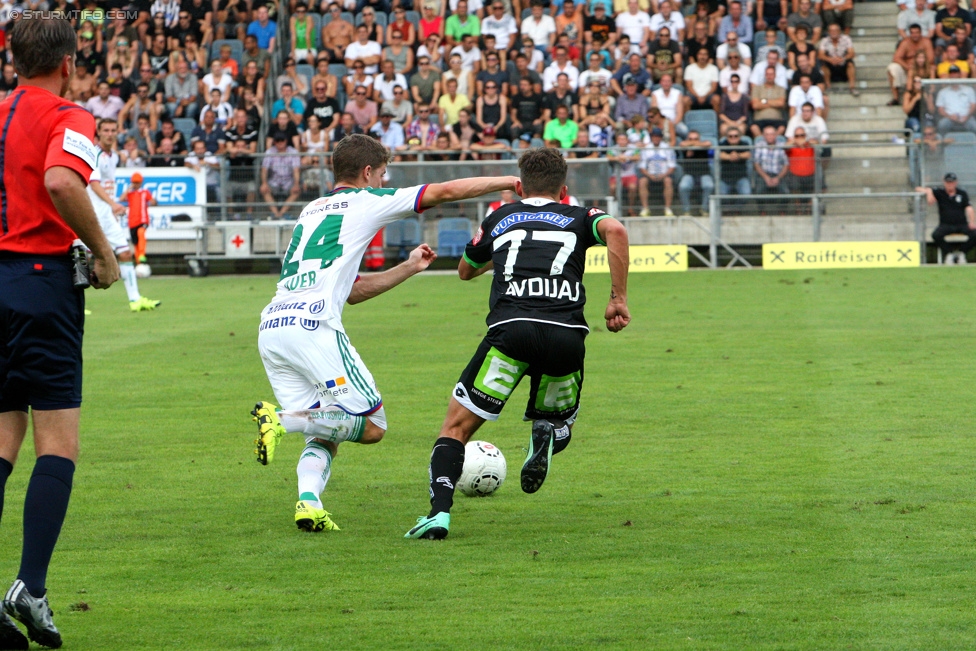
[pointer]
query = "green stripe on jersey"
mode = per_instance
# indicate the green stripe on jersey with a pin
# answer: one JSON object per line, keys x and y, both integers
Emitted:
{"x": 476, "y": 265}
{"x": 596, "y": 235}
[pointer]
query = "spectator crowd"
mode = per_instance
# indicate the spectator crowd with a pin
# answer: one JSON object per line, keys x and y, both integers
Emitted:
{"x": 652, "y": 86}
{"x": 934, "y": 43}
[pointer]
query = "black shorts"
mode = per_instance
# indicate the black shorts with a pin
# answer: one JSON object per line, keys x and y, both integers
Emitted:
{"x": 837, "y": 73}
{"x": 42, "y": 320}
{"x": 552, "y": 357}
{"x": 134, "y": 232}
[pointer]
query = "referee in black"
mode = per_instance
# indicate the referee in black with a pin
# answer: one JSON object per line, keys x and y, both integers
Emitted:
{"x": 46, "y": 160}
{"x": 956, "y": 215}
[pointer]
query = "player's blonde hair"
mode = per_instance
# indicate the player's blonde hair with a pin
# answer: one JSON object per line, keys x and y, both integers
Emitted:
{"x": 353, "y": 153}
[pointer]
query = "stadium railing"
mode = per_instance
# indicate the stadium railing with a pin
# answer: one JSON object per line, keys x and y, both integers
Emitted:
{"x": 854, "y": 209}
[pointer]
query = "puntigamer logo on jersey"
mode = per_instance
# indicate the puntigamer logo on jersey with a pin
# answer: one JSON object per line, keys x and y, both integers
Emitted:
{"x": 562, "y": 221}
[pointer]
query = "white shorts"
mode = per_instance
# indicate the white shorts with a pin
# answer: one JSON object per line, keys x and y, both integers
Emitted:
{"x": 310, "y": 365}
{"x": 114, "y": 233}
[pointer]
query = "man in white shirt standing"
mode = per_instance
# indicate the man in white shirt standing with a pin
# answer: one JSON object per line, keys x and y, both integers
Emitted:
{"x": 669, "y": 18}
{"x": 701, "y": 84}
{"x": 469, "y": 53}
{"x": 540, "y": 27}
{"x": 656, "y": 169}
{"x": 635, "y": 23}
{"x": 560, "y": 65}
{"x": 369, "y": 52}
{"x": 732, "y": 43}
{"x": 669, "y": 100}
{"x": 596, "y": 71}
{"x": 500, "y": 25}
{"x": 806, "y": 93}
{"x": 735, "y": 67}
{"x": 782, "y": 77}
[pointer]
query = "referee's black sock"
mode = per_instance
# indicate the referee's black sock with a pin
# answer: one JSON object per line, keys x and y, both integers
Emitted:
{"x": 5, "y": 469}
{"x": 446, "y": 462}
{"x": 45, "y": 506}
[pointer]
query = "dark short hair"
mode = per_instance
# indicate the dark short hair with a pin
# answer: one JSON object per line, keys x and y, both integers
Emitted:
{"x": 354, "y": 152}
{"x": 39, "y": 46}
{"x": 543, "y": 171}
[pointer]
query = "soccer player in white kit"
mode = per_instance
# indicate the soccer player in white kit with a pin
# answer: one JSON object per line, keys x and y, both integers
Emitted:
{"x": 324, "y": 389}
{"x": 101, "y": 190}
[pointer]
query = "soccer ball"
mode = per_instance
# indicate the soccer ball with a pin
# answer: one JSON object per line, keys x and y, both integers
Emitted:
{"x": 484, "y": 469}
{"x": 143, "y": 270}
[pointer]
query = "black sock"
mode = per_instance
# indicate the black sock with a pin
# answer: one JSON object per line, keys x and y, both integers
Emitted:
{"x": 446, "y": 462}
{"x": 5, "y": 469}
{"x": 563, "y": 435}
{"x": 44, "y": 509}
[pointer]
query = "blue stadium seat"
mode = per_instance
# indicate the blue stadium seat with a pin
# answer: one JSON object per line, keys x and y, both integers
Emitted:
{"x": 339, "y": 70}
{"x": 452, "y": 243}
{"x": 317, "y": 25}
{"x": 537, "y": 143}
{"x": 413, "y": 17}
{"x": 526, "y": 13}
{"x": 705, "y": 122}
{"x": 348, "y": 17}
{"x": 962, "y": 137}
{"x": 308, "y": 71}
{"x": 186, "y": 127}
{"x": 403, "y": 235}
{"x": 452, "y": 236}
{"x": 236, "y": 49}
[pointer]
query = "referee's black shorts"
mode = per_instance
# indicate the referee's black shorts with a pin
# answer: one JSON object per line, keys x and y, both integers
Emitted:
{"x": 42, "y": 320}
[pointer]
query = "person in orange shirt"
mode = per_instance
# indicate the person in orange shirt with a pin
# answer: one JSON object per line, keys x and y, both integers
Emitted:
{"x": 803, "y": 165}
{"x": 139, "y": 201}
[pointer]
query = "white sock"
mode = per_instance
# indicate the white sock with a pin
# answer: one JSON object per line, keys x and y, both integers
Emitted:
{"x": 332, "y": 425}
{"x": 129, "y": 280}
{"x": 314, "y": 470}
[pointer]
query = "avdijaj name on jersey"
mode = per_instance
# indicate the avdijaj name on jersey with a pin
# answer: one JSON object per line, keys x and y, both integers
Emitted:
{"x": 547, "y": 287}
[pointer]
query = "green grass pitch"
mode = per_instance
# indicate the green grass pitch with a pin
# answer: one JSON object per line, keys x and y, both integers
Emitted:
{"x": 763, "y": 461}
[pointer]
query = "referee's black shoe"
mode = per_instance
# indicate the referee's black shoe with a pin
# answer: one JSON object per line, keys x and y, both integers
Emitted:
{"x": 10, "y": 635}
{"x": 536, "y": 465}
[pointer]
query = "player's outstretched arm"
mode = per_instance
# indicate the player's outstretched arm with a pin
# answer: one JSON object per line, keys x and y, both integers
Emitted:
{"x": 70, "y": 198}
{"x": 438, "y": 193}
{"x": 618, "y": 253}
{"x": 467, "y": 272}
{"x": 373, "y": 285}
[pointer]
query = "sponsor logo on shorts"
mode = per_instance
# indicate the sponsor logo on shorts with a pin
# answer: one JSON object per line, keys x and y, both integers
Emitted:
{"x": 333, "y": 388}
{"x": 278, "y": 322}
{"x": 285, "y": 306}
{"x": 317, "y": 307}
{"x": 562, "y": 221}
{"x": 309, "y": 324}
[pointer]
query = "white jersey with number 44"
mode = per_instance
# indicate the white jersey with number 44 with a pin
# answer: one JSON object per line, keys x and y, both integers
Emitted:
{"x": 327, "y": 245}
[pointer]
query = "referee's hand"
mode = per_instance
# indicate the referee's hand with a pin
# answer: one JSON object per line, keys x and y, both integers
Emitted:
{"x": 105, "y": 272}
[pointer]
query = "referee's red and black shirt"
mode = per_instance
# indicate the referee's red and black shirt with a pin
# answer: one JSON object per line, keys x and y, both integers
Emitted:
{"x": 38, "y": 131}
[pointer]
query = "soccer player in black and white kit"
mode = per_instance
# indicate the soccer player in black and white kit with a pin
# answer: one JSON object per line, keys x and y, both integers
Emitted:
{"x": 537, "y": 250}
